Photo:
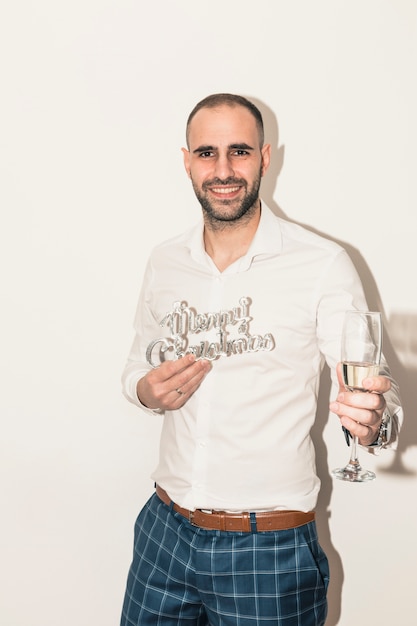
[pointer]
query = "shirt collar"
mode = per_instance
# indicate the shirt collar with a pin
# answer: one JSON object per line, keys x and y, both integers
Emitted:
{"x": 267, "y": 241}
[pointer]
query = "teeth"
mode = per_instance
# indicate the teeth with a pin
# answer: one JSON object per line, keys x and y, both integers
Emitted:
{"x": 225, "y": 189}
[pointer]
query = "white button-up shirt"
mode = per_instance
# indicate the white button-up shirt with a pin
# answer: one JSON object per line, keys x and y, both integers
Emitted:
{"x": 242, "y": 441}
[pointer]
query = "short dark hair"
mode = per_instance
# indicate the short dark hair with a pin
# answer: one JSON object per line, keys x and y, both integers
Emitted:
{"x": 232, "y": 100}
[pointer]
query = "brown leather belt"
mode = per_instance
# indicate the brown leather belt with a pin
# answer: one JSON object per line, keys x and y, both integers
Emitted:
{"x": 239, "y": 522}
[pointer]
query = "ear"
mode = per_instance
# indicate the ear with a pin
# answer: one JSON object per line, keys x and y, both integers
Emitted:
{"x": 266, "y": 157}
{"x": 186, "y": 154}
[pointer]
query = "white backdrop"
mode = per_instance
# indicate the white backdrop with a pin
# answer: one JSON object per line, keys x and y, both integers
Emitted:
{"x": 94, "y": 98}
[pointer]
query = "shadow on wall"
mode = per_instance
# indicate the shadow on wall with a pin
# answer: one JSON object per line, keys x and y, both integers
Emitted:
{"x": 400, "y": 349}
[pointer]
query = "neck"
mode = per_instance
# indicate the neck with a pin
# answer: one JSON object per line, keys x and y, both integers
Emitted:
{"x": 225, "y": 242}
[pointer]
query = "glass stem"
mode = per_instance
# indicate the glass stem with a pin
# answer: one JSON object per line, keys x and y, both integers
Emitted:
{"x": 354, "y": 454}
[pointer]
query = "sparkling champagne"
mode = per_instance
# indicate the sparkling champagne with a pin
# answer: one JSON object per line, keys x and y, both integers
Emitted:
{"x": 354, "y": 374}
{"x": 361, "y": 343}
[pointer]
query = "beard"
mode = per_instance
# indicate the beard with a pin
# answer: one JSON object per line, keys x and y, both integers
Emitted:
{"x": 219, "y": 213}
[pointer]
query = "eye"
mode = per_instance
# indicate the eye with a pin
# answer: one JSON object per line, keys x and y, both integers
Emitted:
{"x": 240, "y": 152}
{"x": 206, "y": 154}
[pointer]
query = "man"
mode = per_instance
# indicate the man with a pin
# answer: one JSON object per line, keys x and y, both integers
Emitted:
{"x": 234, "y": 322}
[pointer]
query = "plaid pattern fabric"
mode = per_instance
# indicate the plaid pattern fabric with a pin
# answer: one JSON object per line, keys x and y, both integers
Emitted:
{"x": 185, "y": 575}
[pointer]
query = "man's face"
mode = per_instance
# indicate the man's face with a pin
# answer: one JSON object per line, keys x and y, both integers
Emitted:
{"x": 225, "y": 162}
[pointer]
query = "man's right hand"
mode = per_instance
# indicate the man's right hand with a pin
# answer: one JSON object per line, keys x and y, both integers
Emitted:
{"x": 169, "y": 386}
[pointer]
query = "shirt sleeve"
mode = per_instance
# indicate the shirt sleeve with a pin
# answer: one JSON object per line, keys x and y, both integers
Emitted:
{"x": 340, "y": 290}
{"x": 145, "y": 325}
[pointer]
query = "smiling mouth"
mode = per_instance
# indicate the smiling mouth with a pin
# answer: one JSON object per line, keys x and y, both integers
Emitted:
{"x": 225, "y": 190}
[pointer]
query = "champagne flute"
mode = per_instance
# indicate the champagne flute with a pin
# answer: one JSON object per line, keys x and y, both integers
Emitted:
{"x": 361, "y": 355}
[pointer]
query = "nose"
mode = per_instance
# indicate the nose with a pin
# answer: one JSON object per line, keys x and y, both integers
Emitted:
{"x": 224, "y": 167}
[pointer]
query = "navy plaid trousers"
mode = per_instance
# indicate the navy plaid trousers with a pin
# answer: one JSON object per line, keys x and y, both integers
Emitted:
{"x": 184, "y": 575}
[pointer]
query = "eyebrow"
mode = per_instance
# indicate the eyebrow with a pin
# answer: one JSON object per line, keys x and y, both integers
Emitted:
{"x": 232, "y": 146}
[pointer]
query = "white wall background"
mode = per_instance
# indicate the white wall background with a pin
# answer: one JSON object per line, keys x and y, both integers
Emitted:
{"x": 94, "y": 98}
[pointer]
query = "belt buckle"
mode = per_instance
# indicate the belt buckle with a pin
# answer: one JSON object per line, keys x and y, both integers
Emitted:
{"x": 191, "y": 515}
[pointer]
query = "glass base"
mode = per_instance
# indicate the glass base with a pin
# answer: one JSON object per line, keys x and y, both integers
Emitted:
{"x": 353, "y": 474}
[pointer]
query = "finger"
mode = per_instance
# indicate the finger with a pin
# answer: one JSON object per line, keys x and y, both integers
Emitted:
{"x": 177, "y": 399}
{"x": 180, "y": 395}
{"x": 169, "y": 369}
{"x": 378, "y": 384}
{"x": 339, "y": 373}
{"x": 359, "y": 406}
{"x": 359, "y": 400}
{"x": 189, "y": 379}
{"x": 365, "y": 433}
{"x": 367, "y": 411}
{"x": 367, "y": 417}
